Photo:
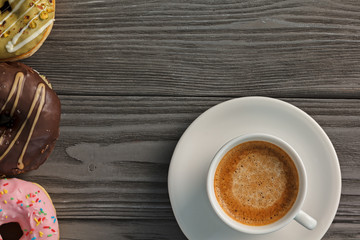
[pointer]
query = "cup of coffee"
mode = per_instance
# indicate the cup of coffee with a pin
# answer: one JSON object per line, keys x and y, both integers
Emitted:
{"x": 257, "y": 184}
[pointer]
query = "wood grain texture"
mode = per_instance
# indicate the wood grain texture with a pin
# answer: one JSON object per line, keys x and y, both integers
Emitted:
{"x": 121, "y": 230}
{"x": 111, "y": 161}
{"x": 132, "y": 75}
{"x": 287, "y": 48}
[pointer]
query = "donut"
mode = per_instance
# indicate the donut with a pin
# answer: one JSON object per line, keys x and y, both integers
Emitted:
{"x": 29, "y": 119}
{"x": 24, "y": 26}
{"x": 26, "y": 211}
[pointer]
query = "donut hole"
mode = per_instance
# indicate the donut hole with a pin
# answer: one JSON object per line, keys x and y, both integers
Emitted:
{"x": 11, "y": 231}
{"x": 6, "y": 120}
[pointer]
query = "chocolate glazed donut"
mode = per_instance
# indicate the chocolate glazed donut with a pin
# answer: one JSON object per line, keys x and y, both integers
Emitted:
{"x": 29, "y": 119}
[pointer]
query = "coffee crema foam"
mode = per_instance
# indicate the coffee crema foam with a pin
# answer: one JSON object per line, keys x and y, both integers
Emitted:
{"x": 256, "y": 183}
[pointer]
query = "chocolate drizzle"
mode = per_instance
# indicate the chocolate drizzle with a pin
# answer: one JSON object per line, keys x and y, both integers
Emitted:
{"x": 5, "y": 7}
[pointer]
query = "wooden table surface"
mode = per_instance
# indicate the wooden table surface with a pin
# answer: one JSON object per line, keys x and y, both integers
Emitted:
{"x": 133, "y": 74}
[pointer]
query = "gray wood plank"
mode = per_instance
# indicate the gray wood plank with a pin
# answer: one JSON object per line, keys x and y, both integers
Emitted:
{"x": 231, "y": 48}
{"x": 343, "y": 231}
{"x": 120, "y": 230}
{"x": 149, "y": 230}
{"x": 111, "y": 161}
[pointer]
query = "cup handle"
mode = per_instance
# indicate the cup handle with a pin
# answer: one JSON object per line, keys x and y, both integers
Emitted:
{"x": 306, "y": 220}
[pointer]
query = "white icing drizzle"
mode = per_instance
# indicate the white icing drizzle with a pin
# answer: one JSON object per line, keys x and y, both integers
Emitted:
{"x": 17, "y": 36}
{"x": 18, "y": 19}
{"x": 10, "y": 46}
{"x": 17, "y": 6}
{"x": 39, "y": 97}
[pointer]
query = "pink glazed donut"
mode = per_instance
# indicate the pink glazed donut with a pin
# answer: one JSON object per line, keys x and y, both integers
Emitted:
{"x": 27, "y": 206}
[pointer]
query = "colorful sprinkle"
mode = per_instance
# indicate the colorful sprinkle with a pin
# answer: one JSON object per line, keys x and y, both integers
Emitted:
{"x": 38, "y": 212}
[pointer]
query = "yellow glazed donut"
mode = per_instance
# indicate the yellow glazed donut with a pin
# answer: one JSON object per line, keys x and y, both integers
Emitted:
{"x": 24, "y": 26}
{"x": 26, "y": 212}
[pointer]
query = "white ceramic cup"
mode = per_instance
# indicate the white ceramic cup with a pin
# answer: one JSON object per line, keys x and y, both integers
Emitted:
{"x": 294, "y": 213}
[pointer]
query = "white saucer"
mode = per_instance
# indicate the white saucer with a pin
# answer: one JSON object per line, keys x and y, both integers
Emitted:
{"x": 200, "y": 142}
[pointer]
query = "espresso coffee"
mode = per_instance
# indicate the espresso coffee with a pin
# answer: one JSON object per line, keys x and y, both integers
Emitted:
{"x": 256, "y": 183}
